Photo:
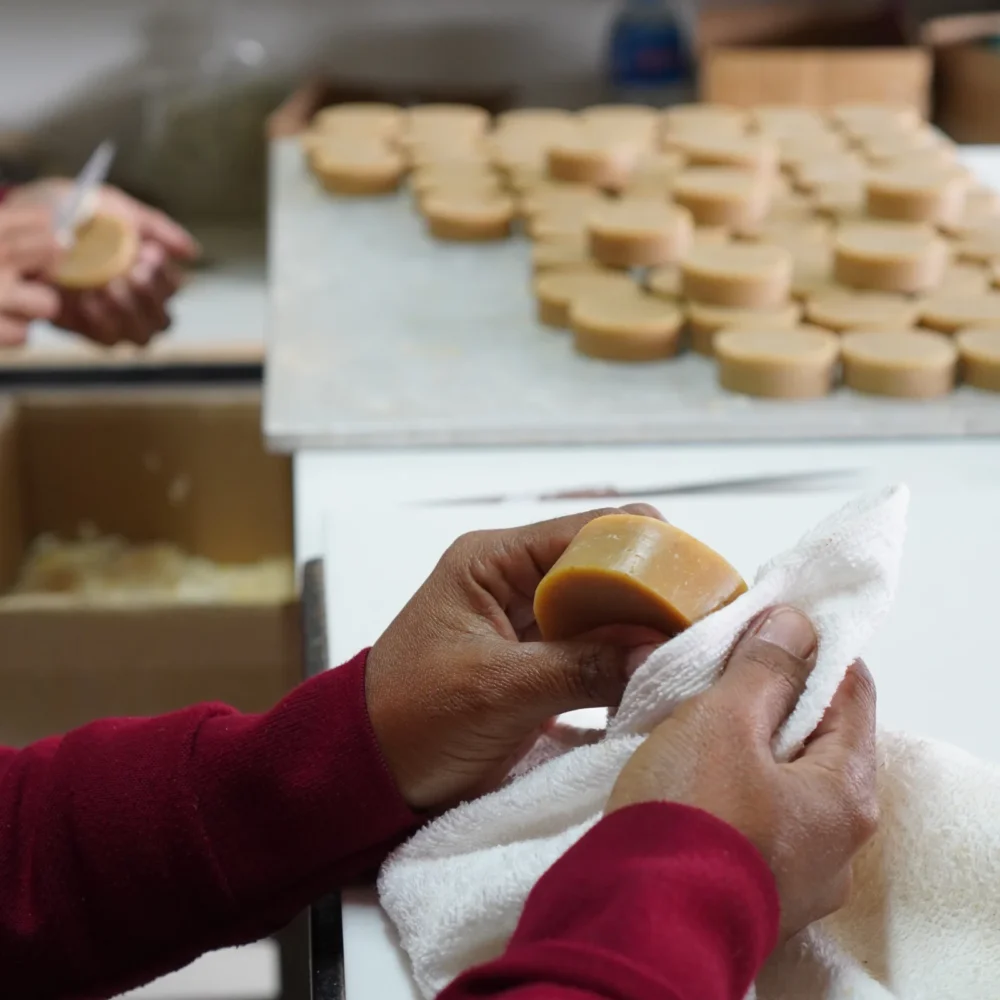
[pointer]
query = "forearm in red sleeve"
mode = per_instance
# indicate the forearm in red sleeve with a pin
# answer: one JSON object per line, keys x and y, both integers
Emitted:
{"x": 657, "y": 902}
{"x": 129, "y": 847}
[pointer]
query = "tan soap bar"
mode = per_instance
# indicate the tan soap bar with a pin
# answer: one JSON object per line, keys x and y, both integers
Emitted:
{"x": 722, "y": 196}
{"x": 625, "y": 326}
{"x": 105, "y": 248}
{"x": 541, "y": 119}
{"x": 369, "y": 118}
{"x": 470, "y": 217}
{"x": 749, "y": 152}
{"x": 908, "y": 363}
{"x": 461, "y": 177}
{"x": 593, "y": 160}
{"x": 875, "y": 118}
{"x": 889, "y": 257}
{"x": 704, "y": 115}
{"x": 623, "y": 569}
{"x": 981, "y": 245}
{"x": 778, "y": 364}
{"x": 916, "y": 194}
{"x": 949, "y": 312}
{"x": 848, "y": 309}
{"x": 343, "y": 166}
{"x": 979, "y": 349}
{"x": 742, "y": 275}
{"x": 665, "y": 281}
{"x": 445, "y": 116}
{"x": 560, "y": 255}
{"x": 556, "y": 290}
{"x": 787, "y": 119}
{"x": 964, "y": 278}
{"x": 705, "y": 321}
{"x": 637, "y": 233}
{"x": 841, "y": 200}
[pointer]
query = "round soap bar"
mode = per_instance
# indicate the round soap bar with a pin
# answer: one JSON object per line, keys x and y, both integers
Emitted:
{"x": 812, "y": 269}
{"x": 847, "y": 309}
{"x": 344, "y": 166}
{"x": 461, "y": 177}
{"x": 787, "y": 120}
{"x": 625, "y": 326}
{"x": 916, "y": 194}
{"x": 705, "y": 321}
{"x": 815, "y": 171}
{"x": 743, "y": 275}
{"x": 556, "y": 290}
{"x": 979, "y": 349}
{"x": 889, "y": 257}
{"x": 370, "y": 118}
{"x": 636, "y": 233}
{"x": 665, "y": 281}
{"x": 981, "y": 245}
{"x": 722, "y": 196}
{"x": 592, "y": 160}
{"x": 469, "y": 216}
{"x": 779, "y": 364}
{"x": 560, "y": 255}
{"x": 426, "y": 118}
{"x": 840, "y": 200}
{"x": 540, "y": 119}
{"x": 964, "y": 278}
{"x": 704, "y": 116}
{"x": 623, "y": 569}
{"x": 105, "y": 248}
{"x": 949, "y": 312}
{"x": 550, "y": 198}
{"x": 873, "y": 118}
{"x": 708, "y": 149}
{"x": 908, "y": 363}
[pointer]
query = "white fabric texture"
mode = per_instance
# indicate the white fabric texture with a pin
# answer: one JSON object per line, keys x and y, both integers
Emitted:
{"x": 924, "y": 918}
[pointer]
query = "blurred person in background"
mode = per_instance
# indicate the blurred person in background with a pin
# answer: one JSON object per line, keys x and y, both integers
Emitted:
{"x": 133, "y": 308}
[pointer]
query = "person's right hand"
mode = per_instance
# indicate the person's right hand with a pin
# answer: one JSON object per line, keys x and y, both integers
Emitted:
{"x": 27, "y": 249}
{"x": 808, "y": 818}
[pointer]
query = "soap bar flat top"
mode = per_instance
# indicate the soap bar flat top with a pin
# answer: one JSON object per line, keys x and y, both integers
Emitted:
{"x": 624, "y": 569}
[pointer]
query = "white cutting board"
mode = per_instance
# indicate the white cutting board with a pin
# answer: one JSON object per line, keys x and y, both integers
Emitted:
{"x": 935, "y": 662}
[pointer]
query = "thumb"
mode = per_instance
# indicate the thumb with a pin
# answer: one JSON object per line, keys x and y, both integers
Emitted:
{"x": 555, "y": 677}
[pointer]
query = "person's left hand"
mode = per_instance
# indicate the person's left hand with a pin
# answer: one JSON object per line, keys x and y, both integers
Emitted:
{"x": 134, "y": 307}
{"x": 459, "y": 687}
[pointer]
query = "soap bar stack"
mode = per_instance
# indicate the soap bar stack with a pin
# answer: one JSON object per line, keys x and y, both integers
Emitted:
{"x": 796, "y": 247}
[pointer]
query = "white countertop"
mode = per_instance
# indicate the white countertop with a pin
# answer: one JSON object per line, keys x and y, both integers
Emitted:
{"x": 933, "y": 661}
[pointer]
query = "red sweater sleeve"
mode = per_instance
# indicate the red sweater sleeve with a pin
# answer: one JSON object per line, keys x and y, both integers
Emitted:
{"x": 657, "y": 902}
{"x": 129, "y": 847}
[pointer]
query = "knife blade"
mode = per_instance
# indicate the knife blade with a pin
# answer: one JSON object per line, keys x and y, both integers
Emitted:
{"x": 90, "y": 178}
{"x": 791, "y": 480}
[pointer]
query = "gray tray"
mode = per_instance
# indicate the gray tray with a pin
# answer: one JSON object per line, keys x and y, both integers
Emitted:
{"x": 381, "y": 336}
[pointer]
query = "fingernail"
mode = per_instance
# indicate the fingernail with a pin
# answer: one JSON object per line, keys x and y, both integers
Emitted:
{"x": 637, "y": 657}
{"x": 789, "y": 630}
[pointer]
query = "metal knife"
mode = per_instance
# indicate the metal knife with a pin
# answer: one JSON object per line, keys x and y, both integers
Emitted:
{"x": 791, "y": 480}
{"x": 90, "y": 178}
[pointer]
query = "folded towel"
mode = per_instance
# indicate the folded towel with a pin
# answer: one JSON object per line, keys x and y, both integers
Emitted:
{"x": 924, "y": 919}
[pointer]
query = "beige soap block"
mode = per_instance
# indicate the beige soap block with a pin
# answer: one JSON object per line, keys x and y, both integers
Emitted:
{"x": 948, "y": 312}
{"x": 812, "y": 270}
{"x": 556, "y": 290}
{"x": 344, "y": 166}
{"x": 982, "y": 209}
{"x": 755, "y": 153}
{"x": 742, "y": 275}
{"x": 814, "y": 172}
{"x": 635, "y": 233}
{"x": 964, "y": 278}
{"x": 665, "y": 281}
{"x": 472, "y": 217}
{"x": 778, "y": 364}
{"x": 722, "y": 196}
{"x": 366, "y": 118}
{"x": 560, "y": 255}
{"x": 469, "y": 177}
{"x": 979, "y": 349}
{"x": 981, "y": 245}
{"x": 908, "y": 363}
{"x": 589, "y": 159}
{"x": 939, "y": 157}
{"x": 533, "y": 119}
{"x": 847, "y": 309}
{"x": 625, "y": 326}
{"x": 840, "y": 201}
{"x": 705, "y": 321}
{"x": 787, "y": 120}
{"x": 704, "y": 115}
{"x": 555, "y": 196}
{"x": 861, "y": 118}
{"x": 427, "y": 118}
{"x": 105, "y": 248}
{"x": 889, "y": 257}
{"x": 916, "y": 194}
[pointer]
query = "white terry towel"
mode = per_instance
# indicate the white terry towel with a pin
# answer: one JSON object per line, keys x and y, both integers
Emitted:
{"x": 924, "y": 919}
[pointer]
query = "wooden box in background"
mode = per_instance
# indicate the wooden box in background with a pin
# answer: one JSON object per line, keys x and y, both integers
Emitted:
{"x": 812, "y": 54}
{"x": 108, "y": 459}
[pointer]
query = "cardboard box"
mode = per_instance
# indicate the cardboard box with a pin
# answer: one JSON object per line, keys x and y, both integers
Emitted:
{"x": 967, "y": 76}
{"x": 811, "y": 54}
{"x": 109, "y": 459}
